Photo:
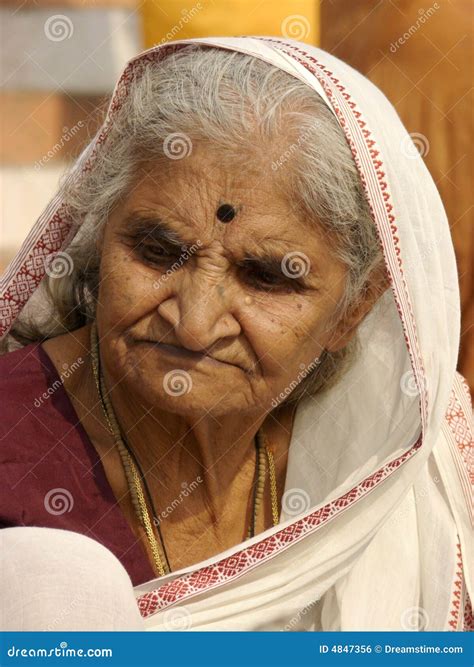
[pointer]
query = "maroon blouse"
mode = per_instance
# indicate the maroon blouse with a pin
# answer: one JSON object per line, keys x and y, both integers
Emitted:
{"x": 50, "y": 472}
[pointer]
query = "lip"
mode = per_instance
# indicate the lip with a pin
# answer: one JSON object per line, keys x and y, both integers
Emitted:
{"x": 182, "y": 353}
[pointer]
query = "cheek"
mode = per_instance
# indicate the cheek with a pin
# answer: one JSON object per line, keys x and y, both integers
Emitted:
{"x": 126, "y": 289}
{"x": 285, "y": 331}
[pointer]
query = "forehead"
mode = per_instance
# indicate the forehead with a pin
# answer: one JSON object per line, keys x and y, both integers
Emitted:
{"x": 186, "y": 194}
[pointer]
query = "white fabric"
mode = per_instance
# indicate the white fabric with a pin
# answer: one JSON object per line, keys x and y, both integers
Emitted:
{"x": 57, "y": 580}
{"x": 368, "y": 569}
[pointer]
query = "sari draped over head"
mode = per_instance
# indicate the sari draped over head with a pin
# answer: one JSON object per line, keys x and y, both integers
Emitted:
{"x": 376, "y": 519}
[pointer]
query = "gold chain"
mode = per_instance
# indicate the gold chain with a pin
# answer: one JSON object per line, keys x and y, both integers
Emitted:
{"x": 133, "y": 478}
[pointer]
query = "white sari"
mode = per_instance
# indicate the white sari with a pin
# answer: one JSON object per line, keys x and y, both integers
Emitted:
{"x": 376, "y": 524}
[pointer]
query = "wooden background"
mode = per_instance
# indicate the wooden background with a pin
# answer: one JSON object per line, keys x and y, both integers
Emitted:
{"x": 428, "y": 78}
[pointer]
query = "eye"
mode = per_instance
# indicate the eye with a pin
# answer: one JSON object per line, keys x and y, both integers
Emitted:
{"x": 267, "y": 278}
{"x": 268, "y": 281}
{"x": 155, "y": 253}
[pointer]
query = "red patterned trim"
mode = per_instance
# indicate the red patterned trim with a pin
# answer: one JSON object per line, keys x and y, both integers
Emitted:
{"x": 458, "y": 430}
{"x": 378, "y": 197}
{"x": 468, "y": 621}
{"x": 457, "y": 592}
{"x": 54, "y": 229}
{"x": 243, "y": 561}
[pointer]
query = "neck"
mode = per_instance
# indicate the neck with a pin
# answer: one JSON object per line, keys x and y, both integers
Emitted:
{"x": 218, "y": 455}
{"x": 193, "y": 450}
{"x": 174, "y": 450}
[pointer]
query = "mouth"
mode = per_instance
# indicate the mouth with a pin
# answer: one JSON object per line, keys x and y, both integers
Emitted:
{"x": 184, "y": 354}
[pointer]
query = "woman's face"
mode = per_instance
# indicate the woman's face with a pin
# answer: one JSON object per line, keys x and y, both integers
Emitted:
{"x": 248, "y": 302}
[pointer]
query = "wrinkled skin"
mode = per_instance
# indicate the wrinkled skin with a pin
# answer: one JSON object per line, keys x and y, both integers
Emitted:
{"x": 263, "y": 329}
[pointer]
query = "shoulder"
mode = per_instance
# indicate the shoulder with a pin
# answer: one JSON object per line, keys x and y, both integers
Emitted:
{"x": 24, "y": 375}
{"x": 36, "y": 411}
{"x": 42, "y": 445}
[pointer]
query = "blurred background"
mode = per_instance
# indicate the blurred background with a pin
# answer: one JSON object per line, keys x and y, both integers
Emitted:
{"x": 60, "y": 59}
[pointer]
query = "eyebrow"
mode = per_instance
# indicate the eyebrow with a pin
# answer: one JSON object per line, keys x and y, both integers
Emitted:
{"x": 139, "y": 227}
{"x": 152, "y": 227}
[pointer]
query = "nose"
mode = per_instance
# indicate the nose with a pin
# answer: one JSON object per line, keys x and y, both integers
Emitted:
{"x": 201, "y": 308}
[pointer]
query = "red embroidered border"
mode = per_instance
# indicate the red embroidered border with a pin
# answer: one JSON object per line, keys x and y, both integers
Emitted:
{"x": 234, "y": 566}
{"x": 468, "y": 622}
{"x": 457, "y": 592}
{"x": 325, "y": 76}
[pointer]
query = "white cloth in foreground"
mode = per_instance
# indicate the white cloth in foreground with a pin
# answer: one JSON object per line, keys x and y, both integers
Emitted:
{"x": 60, "y": 580}
{"x": 376, "y": 527}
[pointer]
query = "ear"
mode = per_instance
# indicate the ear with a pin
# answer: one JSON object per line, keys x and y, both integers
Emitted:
{"x": 346, "y": 327}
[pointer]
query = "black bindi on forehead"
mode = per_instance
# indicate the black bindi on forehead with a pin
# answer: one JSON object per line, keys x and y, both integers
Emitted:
{"x": 226, "y": 212}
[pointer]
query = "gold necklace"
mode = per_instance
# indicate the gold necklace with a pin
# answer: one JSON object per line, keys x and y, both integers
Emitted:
{"x": 264, "y": 456}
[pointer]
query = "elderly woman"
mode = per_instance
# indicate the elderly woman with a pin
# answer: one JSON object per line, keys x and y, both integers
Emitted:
{"x": 234, "y": 402}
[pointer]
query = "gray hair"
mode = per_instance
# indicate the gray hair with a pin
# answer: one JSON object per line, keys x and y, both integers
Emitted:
{"x": 238, "y": 103}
